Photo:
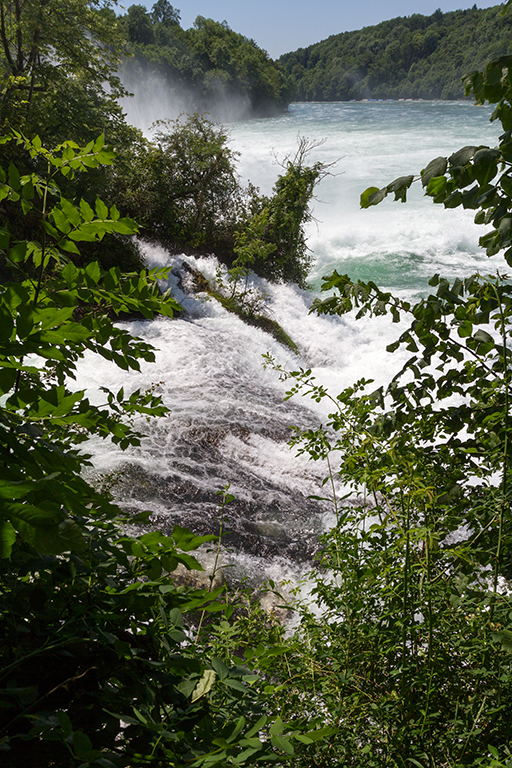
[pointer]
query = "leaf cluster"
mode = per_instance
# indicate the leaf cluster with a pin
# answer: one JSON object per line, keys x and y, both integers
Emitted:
{"x": 474, "y": 177}
{"x": 185, "y": 192}
{"x": 50, "y": 51}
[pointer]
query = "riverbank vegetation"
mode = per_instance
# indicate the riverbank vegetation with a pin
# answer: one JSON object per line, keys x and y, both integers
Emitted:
{"x": 410, "y": 57}
{"x": 105, "y": 658}
{"x": 406, "y": 644}
{"x": 208, "y": 65}
{"x": 182, "y": 186}
{"x": 99, "y": 664}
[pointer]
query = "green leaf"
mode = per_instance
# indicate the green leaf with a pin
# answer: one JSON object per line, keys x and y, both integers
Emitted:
{"x": 7, "y": 538}
{"x": 100, "y": 143}
{"x": 176, "y": 617}
{"x": 68, "y": 246}
{"x": 320, "y": 733}
{"x": 436, "y": 186}
{"x": 220, "y": 668}
{"x": 61, "y": 221}
{"x": 70, "y": 211}
{"x": 67, "y": 536}
{"x": 14, "y": 177}
{"x": 4, "y": 238}
{"x": 257, "y": 727}
{"x": 82, "y": 746}
{"x": 279, "y": 742}
{"x": 18, "y": 252}
{"x": 415, "y": 762}
{"x": 125, "y": 227}
{"x": 243, "y": 756}
{"x": 25, "y": 321}
{"x": 6, "y": 323}
{"x": 190, "y": 563}
{"x": 485, "y": 165}
{"x": 277, "y": 727}
{"x": 86, "y": 210}
{"x": 140, "y": 717}
{"x": 372, "y": 196}
{"x": 186, "y": 540}
{"x": 453, "y": 200}
{"x": 204, "y": 685}
{"x": 462, "y": 156}
{"x": 65, "y": 723}
{"x": 236, "y": 685}
{"x": 93, "y": 272}
{"x": 436, "y": 167}
{"x": 7, "y": 377}
{"x": 465, "y": 329}
{"x": 400, "y": 186}
{"x": 101, "y": 209}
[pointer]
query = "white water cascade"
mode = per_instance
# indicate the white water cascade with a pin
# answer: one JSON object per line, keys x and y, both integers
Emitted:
{"x": 228, "y": 422}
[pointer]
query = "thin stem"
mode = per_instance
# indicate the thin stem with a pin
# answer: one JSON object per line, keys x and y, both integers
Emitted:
{"x": 405, "y": 610}
{"x": 504, "y": 482}
{"x": 41, "y": 271}
{"x": 216, "y": 561}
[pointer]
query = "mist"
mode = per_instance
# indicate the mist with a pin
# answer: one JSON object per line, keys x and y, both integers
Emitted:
{"x": 156, "y": 97}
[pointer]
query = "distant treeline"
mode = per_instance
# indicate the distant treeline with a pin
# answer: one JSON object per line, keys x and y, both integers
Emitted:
{"x": 209, "y": 62}
{"x": 407, "y": 57}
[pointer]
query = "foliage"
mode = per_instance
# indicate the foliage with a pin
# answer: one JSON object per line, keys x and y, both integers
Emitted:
{"x": 185, "y": 191}
{"x": 235, "y": 289}
{"x": 413, "y": 56}
{"x": 52, "y": 50}
{"x": 39, "y": 318}
{"x": 410, "y": 655}
{"x": 273, "y": 242}
{"x": 406, "y": 648}
{"x": 99, "y": 664}
{"x": 59, "y": 78}
{"x": 210, "y": 61}
{"x": 476, "y": 178}
{"x": 183, "y": 187}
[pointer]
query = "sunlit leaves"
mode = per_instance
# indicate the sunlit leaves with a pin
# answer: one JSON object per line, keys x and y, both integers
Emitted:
{"x": 38, "y": 318}
{"x": 485, "y": 170}
{"x": 374, "y": 195}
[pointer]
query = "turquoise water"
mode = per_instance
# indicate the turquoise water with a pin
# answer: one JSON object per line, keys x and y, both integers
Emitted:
{"x": 374, "y": 143}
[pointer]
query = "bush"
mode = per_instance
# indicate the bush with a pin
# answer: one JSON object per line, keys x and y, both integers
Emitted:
{"x": 406, "y": 649}
{"x": 100, "y": 663}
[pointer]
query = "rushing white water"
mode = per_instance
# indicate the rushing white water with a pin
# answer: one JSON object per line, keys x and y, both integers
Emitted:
{"x": 229, "y": 424}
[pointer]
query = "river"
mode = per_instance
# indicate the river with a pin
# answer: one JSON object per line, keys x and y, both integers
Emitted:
{"x": 228, "y": 423}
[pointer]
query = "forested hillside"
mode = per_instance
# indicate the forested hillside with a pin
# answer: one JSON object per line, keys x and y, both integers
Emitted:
{"x": 209, "y": 62}
{"x": 410, "y": 57}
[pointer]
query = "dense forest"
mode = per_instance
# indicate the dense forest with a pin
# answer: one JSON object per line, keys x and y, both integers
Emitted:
{"x": 410, "y": 57}
{"x": 209, "y": 63}
{"x": 401, "y": 655}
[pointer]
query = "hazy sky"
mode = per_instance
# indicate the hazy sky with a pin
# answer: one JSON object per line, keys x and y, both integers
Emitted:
{"x": 280, "y": 26}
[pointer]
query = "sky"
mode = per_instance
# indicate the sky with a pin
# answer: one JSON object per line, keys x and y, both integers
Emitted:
{"x": 280, "y": 26}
